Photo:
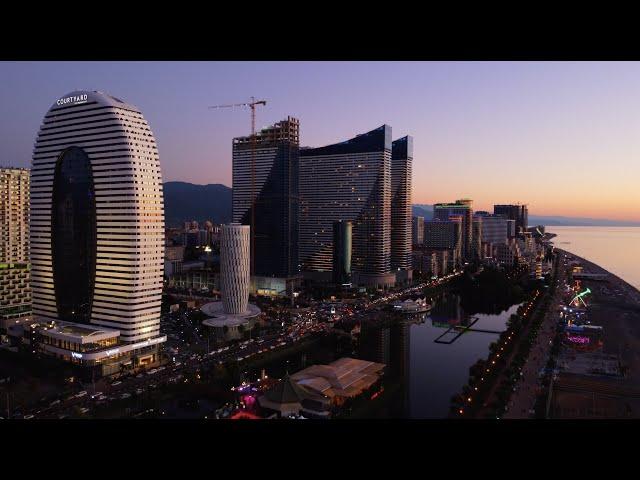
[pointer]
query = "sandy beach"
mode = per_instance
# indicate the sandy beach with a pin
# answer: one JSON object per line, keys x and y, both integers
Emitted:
{"x": 614, "y": 304}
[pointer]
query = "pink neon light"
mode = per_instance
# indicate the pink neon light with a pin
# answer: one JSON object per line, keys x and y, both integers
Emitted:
{"x": 579, "y": 339}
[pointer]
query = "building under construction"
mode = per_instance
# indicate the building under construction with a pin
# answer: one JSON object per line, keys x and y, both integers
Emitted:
{"x": 265, "y": 175}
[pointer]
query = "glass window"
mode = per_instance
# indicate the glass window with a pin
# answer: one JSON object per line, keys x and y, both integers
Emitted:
{"x": 73, "y": 240}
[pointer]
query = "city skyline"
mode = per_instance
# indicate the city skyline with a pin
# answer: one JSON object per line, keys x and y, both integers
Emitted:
{"x": 107, "y": 313}
{"x": 490, "y": 131}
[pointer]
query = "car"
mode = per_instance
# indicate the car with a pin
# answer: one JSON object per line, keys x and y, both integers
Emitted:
{"x": 84, "y": 410}
{"x": 140, "y": 375}
{"x": 28, "y": 417}
{"x": 55, "y": 402}
{"x": 81, "y": 394}
{"x": 102, "y": 398}
{"x": 124, "y": 396}
{"x": 97, "y": 394}
{"x": 114, "y": 384}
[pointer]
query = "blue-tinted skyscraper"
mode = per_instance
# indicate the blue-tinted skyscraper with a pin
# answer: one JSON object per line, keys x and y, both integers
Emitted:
{"x": 518, "y": 213}
{"x": 275, "y": 189}
{"x": 348, "y": 181}
{"x": 401, "y": 166}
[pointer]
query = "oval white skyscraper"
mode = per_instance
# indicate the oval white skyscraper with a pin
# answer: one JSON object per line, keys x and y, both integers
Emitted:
{"x": 97, "y": 217}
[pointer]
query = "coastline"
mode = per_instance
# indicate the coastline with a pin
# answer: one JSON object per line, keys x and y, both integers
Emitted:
{"x": 631, "y": 291}
{"x": 593, "y": 389}
{"x": 613, "y": 250}
{"x": 615, "y": 312}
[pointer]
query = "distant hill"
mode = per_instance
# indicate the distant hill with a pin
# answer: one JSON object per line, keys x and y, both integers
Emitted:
{"x": 185, "y": 201}
{"x": 425, "y": 211}
{"x": 578, "y": 222}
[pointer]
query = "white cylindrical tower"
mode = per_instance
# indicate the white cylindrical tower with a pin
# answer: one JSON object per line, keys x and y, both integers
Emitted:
{"x": 234, "y": 267}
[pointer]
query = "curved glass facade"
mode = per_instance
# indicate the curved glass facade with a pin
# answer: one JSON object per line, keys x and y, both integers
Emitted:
{"x": 349, "y": 181}
{"x": 73, "y": 239}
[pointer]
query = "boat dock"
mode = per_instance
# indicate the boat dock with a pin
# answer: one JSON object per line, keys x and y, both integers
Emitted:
{"x": 458, "y": 329}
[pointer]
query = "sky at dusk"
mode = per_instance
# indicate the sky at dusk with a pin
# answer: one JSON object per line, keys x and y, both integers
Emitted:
{"x": 563, "y": 137}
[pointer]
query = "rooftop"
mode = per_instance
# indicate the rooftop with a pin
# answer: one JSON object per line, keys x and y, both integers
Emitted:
{"x": 376, "y": 140}
{"x": 346, "y": 377}
{"x": 76, "y": 98}
{"x": 218, "y": 318}
{"x": 80, "y": 333}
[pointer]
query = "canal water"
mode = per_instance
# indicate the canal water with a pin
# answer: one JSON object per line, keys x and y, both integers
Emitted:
{"x": 426, "y": 366}
{"x": 430, "y": 371}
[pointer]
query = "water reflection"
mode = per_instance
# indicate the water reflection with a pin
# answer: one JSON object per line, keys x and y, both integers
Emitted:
{"x": 446, "y": 311}
{"x": 422, "y": 375}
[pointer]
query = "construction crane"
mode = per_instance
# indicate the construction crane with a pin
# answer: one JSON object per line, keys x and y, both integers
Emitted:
{"x": 252, "y": 105}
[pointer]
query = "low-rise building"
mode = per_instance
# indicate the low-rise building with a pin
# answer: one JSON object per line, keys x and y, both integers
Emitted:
{"x": 288, "y": 399}
{"x": 425, "y": 263}
{"x": 342, "y": 379}
{"x": 445, "y": 260}
{"x": 87, "y": 345}
{"x": 275, "y": 286}
{"x": 507, "y": 254}
{"x": 196, "y": 279}
{"x": 320, "y": 390}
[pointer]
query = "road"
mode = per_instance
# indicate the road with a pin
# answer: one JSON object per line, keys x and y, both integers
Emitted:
{"x": 190, "y": 364}
{"x": 173, "y": 372}
{"x": 528, "y": 388}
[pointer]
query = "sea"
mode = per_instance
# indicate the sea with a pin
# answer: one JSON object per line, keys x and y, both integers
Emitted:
{"x": 616, "y": 249}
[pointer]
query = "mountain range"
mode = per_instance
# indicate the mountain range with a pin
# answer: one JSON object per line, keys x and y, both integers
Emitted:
{"x": 187, "y": 201}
